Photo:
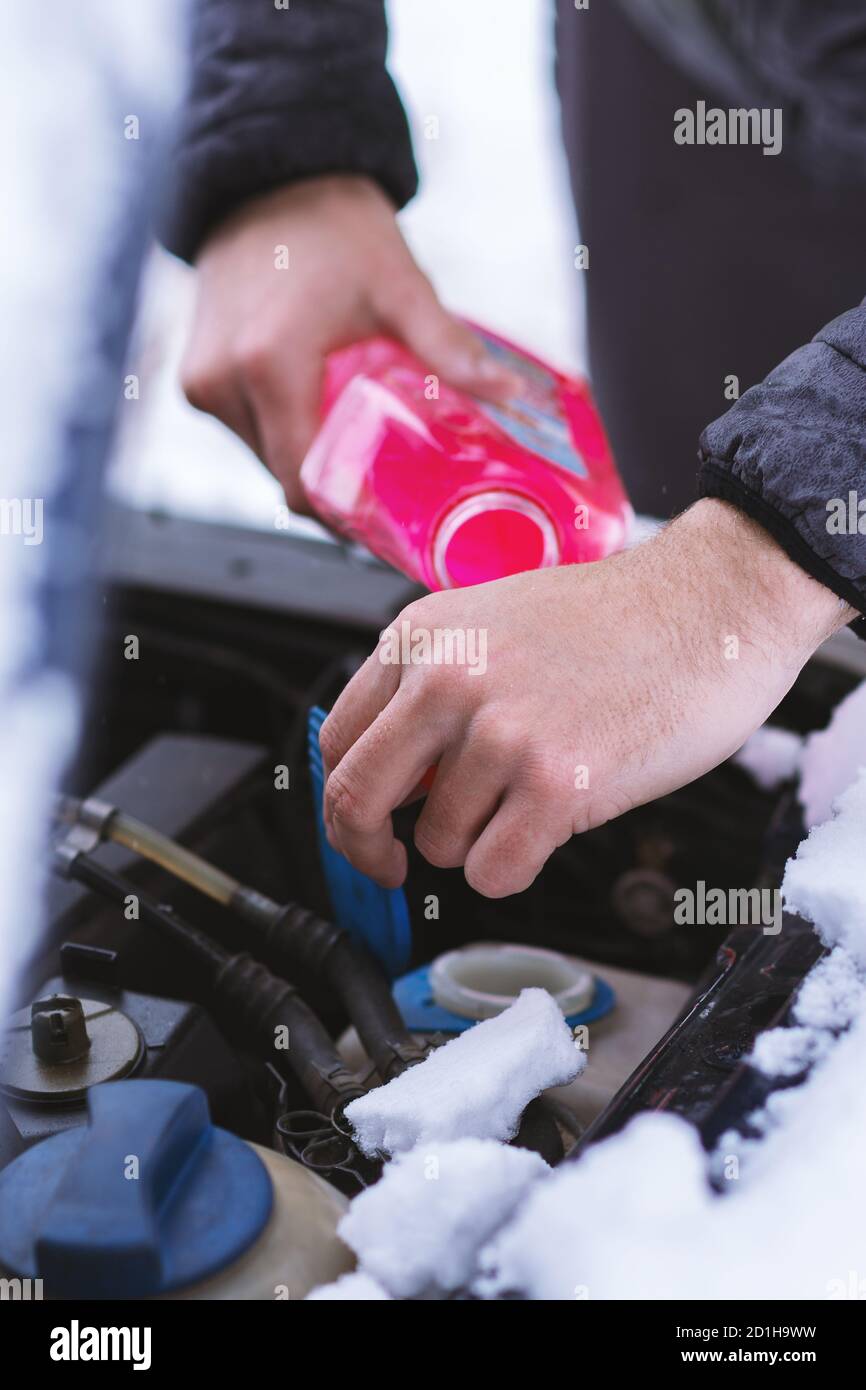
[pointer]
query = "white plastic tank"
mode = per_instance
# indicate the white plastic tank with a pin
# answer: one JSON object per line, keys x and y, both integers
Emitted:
{"x": 482, "y": 979}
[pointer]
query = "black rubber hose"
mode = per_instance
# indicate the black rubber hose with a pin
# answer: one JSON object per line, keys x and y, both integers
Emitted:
{"x": 270, "y": 1013}
{"x": 294, "y": 937}
{"x": 359, "y": 981}
{"x": 538, "y": 1131}
{"x": 287, "y": 936}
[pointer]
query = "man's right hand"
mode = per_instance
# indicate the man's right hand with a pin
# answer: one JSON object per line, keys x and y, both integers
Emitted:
{"x": 260, "y": 335}
{"x": 603, "y": 686}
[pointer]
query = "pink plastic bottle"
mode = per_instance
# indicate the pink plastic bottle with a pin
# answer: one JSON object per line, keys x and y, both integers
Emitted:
{"x": 452, "y": 490}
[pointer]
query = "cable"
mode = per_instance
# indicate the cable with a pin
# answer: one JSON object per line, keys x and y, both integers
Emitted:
{"x": 288, "y": 935}
{"x": 276, "y": 1022}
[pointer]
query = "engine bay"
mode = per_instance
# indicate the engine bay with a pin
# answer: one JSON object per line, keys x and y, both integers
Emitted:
{"x": 212, "y": 651}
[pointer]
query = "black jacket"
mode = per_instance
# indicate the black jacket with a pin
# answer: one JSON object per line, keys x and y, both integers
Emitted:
{"x": 792, "y": 453}
{"x": 282, "y": 94}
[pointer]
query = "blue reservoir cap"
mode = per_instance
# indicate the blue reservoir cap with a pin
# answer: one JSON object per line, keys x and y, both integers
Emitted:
{"x": 421, "y": 1014}
{"x": 147, "y": 1198}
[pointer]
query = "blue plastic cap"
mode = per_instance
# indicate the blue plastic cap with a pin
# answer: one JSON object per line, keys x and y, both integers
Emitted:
{"x": 376, "y": 917}
{"x": 421, "y": 1014}
{"x": 147, "y": 1198}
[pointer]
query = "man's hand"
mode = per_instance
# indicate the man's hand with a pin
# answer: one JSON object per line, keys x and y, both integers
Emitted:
{"x": 261, "y": 333}
{"x": 606, "y": 685}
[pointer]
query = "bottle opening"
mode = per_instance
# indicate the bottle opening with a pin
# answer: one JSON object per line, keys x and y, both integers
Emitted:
{"x": 491, "y": 535}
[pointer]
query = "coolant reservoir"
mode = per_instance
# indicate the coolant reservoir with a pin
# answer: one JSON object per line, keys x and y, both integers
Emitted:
{"x": 624, "y": 1013}
{"x": 151, "y": 1200}
{"x": 482, "y": 980}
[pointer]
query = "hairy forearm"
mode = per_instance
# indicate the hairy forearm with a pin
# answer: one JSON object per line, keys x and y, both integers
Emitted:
{"x": 779, "y": 605}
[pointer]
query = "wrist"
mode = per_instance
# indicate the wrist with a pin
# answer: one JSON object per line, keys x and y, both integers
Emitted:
{"x": 323, "y": 194}
{"x": 779, "y": 606}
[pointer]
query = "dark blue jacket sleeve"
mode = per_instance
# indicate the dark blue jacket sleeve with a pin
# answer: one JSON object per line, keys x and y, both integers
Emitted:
{"x": 792, "y": 453}
{"x": 279, "y": 94}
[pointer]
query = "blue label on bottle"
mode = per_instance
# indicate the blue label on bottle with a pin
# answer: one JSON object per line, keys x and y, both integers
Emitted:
{"x": 533, "y": 418}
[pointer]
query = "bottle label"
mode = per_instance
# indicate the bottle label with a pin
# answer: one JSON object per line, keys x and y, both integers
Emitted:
{"x": 534, "y": 418}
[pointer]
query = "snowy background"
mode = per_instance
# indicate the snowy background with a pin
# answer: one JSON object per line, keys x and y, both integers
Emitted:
{"x": 72, "y": 186}
{"x": 637, "y": 1217}
{"x": 492, "y": 225}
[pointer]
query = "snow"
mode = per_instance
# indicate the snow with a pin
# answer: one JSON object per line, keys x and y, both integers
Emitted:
{"x": 826, "y": 761}
{"x": 594, "y": 1227}
{"x": 788, "y": 1051}
{"x": 771, "y": 756}
{"x": 418, "y": 1231}
{"x": 637, "y": 1216}
{"x": 72, "y": 73}
{"x": 826, "y": 883}
{"x": 833, "y": 756}
{"x": 477, "y": 1085}
{"x": 357, "y": 1287}
{"x": 833, "y": 993}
